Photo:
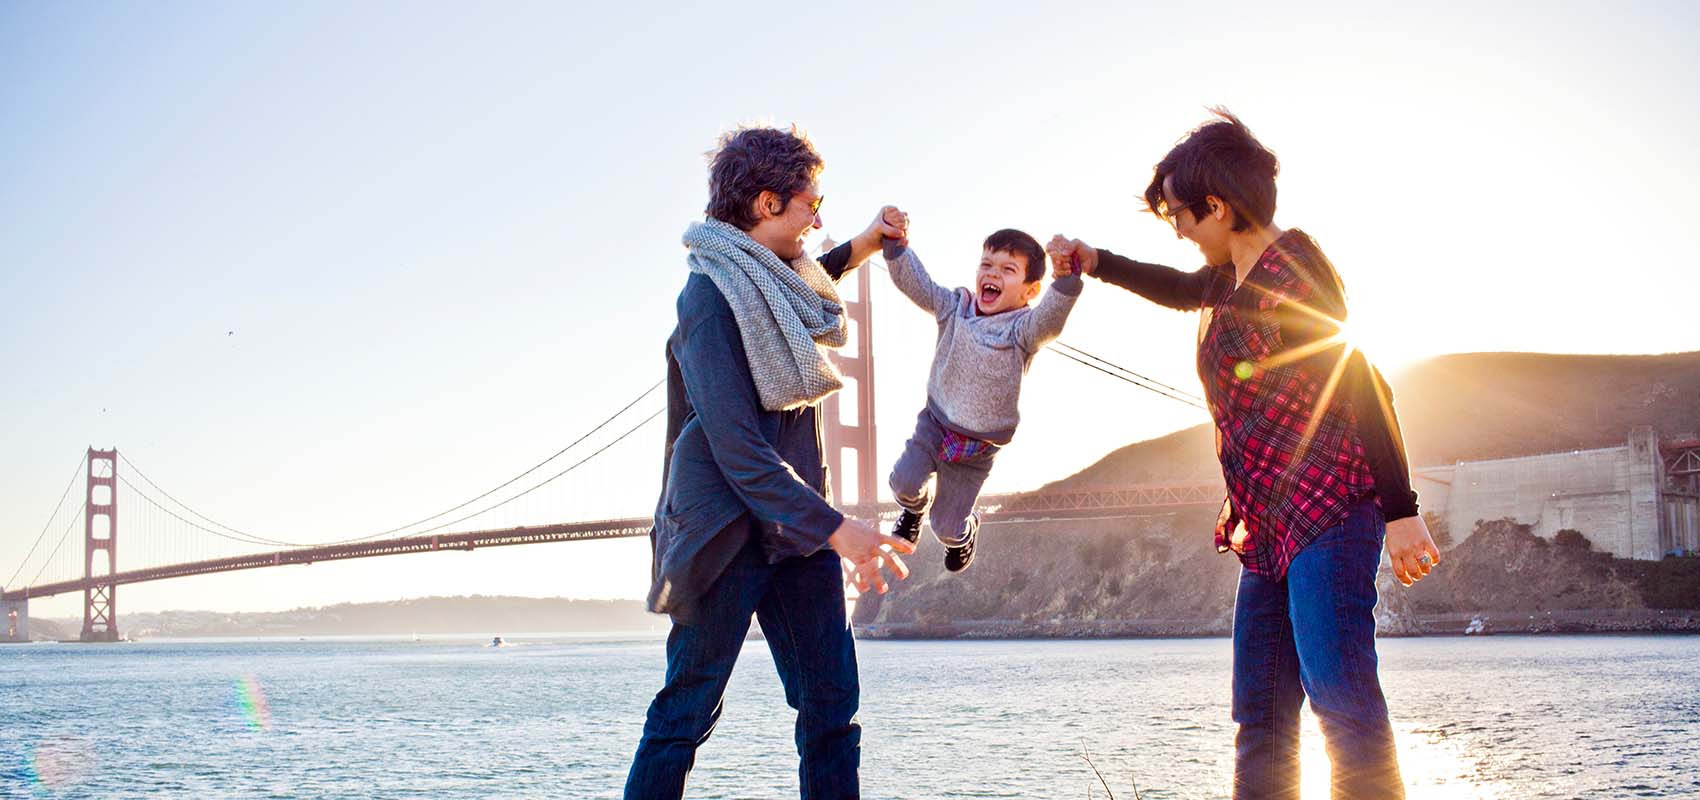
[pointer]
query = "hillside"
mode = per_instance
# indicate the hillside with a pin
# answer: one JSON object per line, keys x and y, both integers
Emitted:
{"x": 1495, "y": 405}
{"x": 1475, "y": 406}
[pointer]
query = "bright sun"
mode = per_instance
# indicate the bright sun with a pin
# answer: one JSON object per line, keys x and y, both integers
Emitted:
{"x": 1387, "y": 349}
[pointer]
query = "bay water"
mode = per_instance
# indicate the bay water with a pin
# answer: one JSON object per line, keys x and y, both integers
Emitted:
{"x": 559, "y": 716}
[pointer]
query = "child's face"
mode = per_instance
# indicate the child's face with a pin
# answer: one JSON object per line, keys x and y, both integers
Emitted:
{"x": 1001, "y": 284}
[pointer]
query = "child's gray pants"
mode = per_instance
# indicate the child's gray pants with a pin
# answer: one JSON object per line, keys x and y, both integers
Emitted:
{"x": 959, "y": 482}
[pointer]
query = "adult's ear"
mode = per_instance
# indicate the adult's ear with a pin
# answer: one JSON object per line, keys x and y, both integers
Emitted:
{"x": 767, "y": 205}
{"x": 1218, "y": 208}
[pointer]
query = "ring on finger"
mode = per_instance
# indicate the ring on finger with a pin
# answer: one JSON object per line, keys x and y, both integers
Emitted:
{"x": 1426, "y": 560}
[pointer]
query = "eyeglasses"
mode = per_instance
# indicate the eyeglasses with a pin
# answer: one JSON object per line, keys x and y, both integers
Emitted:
{"x": 1172, "y": 215}
{"x": 814, "y": 205}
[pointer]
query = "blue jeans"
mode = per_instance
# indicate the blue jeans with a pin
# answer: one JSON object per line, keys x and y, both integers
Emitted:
{"x": 1313, "y": 636}
{"x": 800, "y": 604}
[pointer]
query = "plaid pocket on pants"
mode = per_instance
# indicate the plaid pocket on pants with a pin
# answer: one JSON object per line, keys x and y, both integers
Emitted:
{"x": 956, "y": 448}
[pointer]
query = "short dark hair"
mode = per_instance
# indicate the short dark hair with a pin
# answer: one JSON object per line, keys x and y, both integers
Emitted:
{"x": 1017, "y": 243}
{"x": 751, "y": 160}
{"x": 1219, "y": 158}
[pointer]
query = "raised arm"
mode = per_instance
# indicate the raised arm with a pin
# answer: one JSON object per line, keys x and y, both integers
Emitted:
{"x": 912, "y": 280}
{"x": 1045, "y": 324}
{"x": 839, "y": 261}
{"x": 1165, "y": 286}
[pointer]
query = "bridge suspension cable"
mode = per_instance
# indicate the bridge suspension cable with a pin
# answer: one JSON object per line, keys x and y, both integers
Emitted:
{"x": 551, "y": 479}
{"x": 50, "y": 517}
{"x": 534, "y": 468}
{"x": 236, "y": 534}
{"x": 63, "y": 537}
{"x": 1143, "y": 382}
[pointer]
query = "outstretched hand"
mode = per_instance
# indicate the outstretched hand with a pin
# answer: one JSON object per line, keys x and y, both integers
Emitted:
{"x": 1065, "y": 252}
{"x": 870, "y": 554}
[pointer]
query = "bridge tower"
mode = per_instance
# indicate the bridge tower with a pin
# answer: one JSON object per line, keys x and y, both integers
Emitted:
{"x": 855, "y": 361}
{"x": 100, "y": 602}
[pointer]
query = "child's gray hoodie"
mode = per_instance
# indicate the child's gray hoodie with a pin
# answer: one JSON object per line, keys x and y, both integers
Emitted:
{"x": 975, "y": 385}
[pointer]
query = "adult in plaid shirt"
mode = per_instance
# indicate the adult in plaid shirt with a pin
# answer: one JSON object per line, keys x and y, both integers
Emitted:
{"x": 1311, "y": 454}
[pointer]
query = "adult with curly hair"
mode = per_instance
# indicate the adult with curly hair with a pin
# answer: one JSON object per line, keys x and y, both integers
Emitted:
{"x": 742, "y": 526}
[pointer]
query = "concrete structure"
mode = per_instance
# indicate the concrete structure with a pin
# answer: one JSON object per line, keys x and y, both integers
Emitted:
{"x": 1634, "y": 501}
{"x": 14, "y": 620}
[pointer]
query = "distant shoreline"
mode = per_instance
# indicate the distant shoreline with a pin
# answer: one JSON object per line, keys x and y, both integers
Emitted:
{"x": 1647, "y": 621}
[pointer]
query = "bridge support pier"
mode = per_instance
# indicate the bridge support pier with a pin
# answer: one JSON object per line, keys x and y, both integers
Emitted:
{"x": 14, "y": 621}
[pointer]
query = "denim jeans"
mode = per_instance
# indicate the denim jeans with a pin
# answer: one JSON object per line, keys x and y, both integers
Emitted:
{"x": 1313, "y": 636}
{"x": 800, "y": 605}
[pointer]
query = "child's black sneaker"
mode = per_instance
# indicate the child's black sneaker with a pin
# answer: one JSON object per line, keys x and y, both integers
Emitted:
{"x": 908, "y": 527}
{"x": 957, "y": 559}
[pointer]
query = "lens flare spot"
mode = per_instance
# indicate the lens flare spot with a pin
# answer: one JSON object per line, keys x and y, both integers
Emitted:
{"x": 55, "y": 766}
{"x": 251, "y": 700}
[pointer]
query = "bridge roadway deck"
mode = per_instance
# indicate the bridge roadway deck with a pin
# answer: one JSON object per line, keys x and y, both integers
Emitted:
{"x": 1029, "y": 506}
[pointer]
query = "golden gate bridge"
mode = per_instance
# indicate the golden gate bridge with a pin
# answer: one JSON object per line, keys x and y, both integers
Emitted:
{"x": 165, "y": 538}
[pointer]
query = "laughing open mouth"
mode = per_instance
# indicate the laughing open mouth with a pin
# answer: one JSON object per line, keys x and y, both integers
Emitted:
{"x": 989, "y": 293}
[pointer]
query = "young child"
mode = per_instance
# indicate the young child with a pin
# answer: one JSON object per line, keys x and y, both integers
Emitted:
{"x": 987, "y": 337}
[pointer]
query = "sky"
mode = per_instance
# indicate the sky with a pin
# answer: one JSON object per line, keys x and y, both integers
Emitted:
{"x": 324, "y": 269}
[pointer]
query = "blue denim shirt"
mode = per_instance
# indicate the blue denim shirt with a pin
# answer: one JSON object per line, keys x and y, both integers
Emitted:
{"x": 733, "y": 469}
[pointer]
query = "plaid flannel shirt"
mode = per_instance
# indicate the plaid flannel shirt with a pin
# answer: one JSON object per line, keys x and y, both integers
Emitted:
{"x": 1291, "y": 455}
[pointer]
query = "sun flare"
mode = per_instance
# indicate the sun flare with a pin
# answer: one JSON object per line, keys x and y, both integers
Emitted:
{"x": 1434, "y": 766}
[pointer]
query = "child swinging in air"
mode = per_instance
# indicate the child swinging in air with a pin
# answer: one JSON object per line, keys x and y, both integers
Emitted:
{"x": 988, "y": 335}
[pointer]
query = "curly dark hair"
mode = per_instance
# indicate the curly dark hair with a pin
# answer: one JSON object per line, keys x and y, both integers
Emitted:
{"x": 1014, "y": 242}
{"x": 750, "y": 160}
{"x": 1219, "y": 158}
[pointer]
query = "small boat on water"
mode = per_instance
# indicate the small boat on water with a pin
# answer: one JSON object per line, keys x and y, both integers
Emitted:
{"x": 497, "y": 642}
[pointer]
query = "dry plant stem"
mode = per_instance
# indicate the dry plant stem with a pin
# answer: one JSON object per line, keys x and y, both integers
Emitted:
{"x": 1088, "y": 756}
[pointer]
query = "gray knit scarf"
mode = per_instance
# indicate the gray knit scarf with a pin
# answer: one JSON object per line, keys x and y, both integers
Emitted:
{"x": 786, "y": 313}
